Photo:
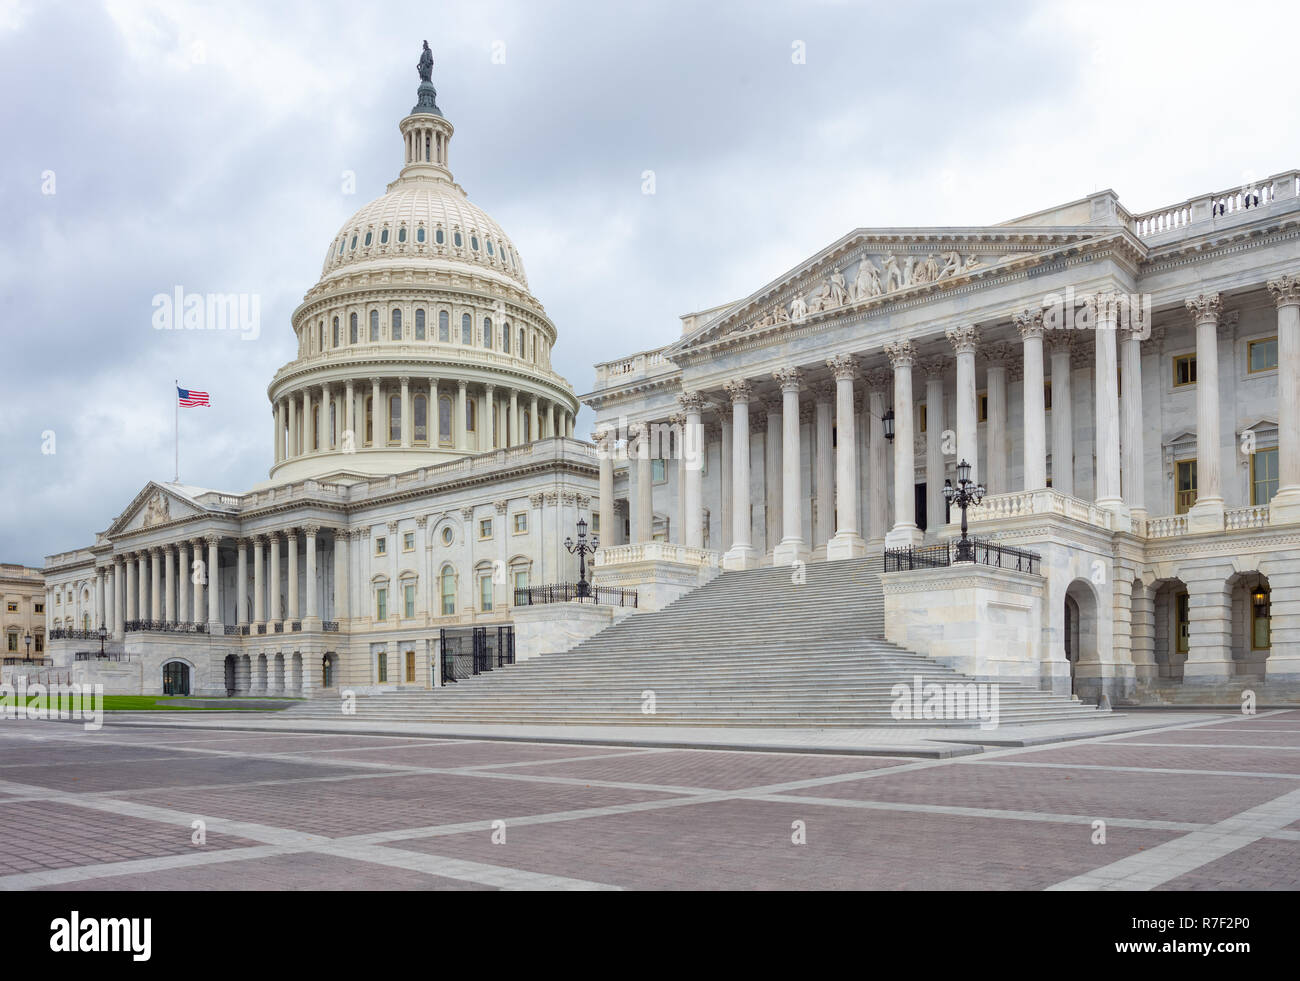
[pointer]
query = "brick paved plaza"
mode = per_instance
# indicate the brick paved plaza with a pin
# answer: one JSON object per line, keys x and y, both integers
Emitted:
{"x": 1209, "y": 804}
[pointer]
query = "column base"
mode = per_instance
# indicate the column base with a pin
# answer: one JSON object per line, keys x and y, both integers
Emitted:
{"x": 1205, "y": 516}
{"x": 1284, "y": 509}
{"x": 1207, "y": 672}
{"x": 845, "y": 545}
{"x": 904, "y": 536}
{"x": 740, "y": 557}
{"x": 311, "y": 623}
{"x": 789, "y": 551}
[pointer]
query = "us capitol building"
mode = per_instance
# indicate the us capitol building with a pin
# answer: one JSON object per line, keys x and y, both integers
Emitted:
{"x": 1126, "y": 387}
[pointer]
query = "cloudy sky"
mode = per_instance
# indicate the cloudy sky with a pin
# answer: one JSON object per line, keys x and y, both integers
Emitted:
{"x": 203, "y": 145}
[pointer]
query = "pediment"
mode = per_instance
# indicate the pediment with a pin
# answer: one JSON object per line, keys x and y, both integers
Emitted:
{"x": 154, "y": 505}
{"x": 875, "y": 267}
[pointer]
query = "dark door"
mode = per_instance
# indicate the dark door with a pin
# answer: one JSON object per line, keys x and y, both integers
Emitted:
{"x": 176, "y": 678}
{"x": 920, "y": 507}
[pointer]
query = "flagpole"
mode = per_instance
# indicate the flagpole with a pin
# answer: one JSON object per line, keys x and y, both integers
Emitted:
{"x": 176, "y": 407}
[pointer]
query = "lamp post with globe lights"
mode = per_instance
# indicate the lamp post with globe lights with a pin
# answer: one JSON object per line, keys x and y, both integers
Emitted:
{"x": 966, "y": 493}
{"x": 582, "y": 548}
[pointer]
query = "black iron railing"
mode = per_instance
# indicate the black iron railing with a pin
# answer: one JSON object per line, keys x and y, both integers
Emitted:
{"x": 467, "y": 651}
{"x": 983, "y": 553}
{"x": 67, "y": 633}
{"x": 330, "y": 626}
{"x": 35, "y": 662}
{"x": 163, "y": 627}
{"x": 564, "y": 592}
{"x": 295, "y": 625}
{"x": 105, "y": 656}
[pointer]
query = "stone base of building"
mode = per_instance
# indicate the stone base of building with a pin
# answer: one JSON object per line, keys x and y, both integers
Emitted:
{"x": 553, "y": 628}
{"x": 845, "y": 546}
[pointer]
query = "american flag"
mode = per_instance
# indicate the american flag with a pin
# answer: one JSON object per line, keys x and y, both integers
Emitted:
{"x": 187, "y": 397}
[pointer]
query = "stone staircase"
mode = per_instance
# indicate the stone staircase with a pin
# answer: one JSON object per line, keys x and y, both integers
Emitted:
{"x": 750, "y": 648}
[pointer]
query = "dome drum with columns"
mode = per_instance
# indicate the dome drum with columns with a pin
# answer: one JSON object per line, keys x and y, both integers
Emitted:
{"x": 420, "y": 343}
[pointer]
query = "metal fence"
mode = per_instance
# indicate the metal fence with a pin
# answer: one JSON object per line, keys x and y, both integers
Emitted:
{"x": 165, "y": 627}
{"x": 982, "y": 553}
{"x": 97, "y": 656}
{"x": 567, "y": 591}
{"x": 467, "y": 651}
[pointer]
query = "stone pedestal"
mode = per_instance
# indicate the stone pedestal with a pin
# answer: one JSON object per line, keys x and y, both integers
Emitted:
{"x": 660, "y": 572}
{"x": 553, "y": 628}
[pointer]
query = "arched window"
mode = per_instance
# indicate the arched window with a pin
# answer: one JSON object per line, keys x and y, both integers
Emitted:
{"x": 383, "y": 237}
{"x": 444, "y": 327}
{"x": 322, "y": 336}
{"x": 527, "y": 426}
{"x": 456, "y": 239}
{"x": 505, "y": 338}
{"x": 397, "y": 325}
{"x": 352, "y": 329}
{"x": 521, "y": 342}
{"x": 487, "y": 331}
{"x": 419, "y": 325}
{"x": 473, "y": 242}
{"x": 438, "y": 236}
{"x": 466, "y": 329}
{"x": 369, "y": 236}
{"x": 420, "y": 412}
{"x": 401, "y": 234}
{"x": 447, "y": 587}
{"x": 489, "y": 247}
{"x": 336, "y": 332}
{"x": 370, "y": 420}
{"x": 471, "y": 415}
{"x": 419, "y": 234}
{"x": 444, "y": 420}
{"x": 374, "y": 326}
{"x": 342, "y": 242}
{"x": 354, "y": 241}
{"x": 334, "y": 423}
{"x": 394, "y": 419}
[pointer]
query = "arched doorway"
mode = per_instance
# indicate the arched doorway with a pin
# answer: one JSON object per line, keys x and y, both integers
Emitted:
{"x": 176, "y": 678}
{"x": 1251, "y": 597}
{"x": 232, "y": 676}
{"x": 327, "y": 671}
{"x": 1080, "y": 638}
{"x": 1172, "y": 629}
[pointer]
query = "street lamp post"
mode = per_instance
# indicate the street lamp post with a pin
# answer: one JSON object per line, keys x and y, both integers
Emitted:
{"x": 582, "y": 548}
{"x": 966, "y": 493}
{"x": 28, "y": 641}
{"x": 103, "y": 635}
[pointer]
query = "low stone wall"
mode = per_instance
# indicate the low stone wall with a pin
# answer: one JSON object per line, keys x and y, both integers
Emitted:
{"x": 552, "y": 628}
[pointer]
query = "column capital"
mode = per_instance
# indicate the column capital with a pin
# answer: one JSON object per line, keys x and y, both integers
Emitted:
{"x": 691, "y": 402}
{"x": 463, "y": 384}
{"x": 790, "y": 379}
{"x": 291, "y": 534}
{"x": 404, "y": 380}
{"x": 740, "y": 390}
{"x": 1030, "y": 323}
{"x": 1061, "y": 341}
{"x": 822, "y": 392}
{"x": 311, "y": 530}
{"x": 901, "y": 354}
{"x": 241, "y": 544}
{"x": 392, "y": 527}
{"x": 1000, "y": 356}
{"x": 211, "y": 540}
{"x": 501, "y": 506}
{"x": 933, "y": 368}
{"x": 375, "y": 380}
{"x": 1285, "y": 290}
{"x": 878, "y": 379}
{"x": 1205, "y": 308}
{"x": 843, "y": 367}
{"x": 965, "y": 339}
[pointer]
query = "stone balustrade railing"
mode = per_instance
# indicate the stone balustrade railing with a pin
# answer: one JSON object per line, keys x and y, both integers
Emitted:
{"x": 1205, "y": 206}
{"x": 999, "y": 506}
{"x": 1255, "y": 516}
{"x": 1165, "y": 526}
{"x": 647, "y": 362}
{"x": 656, "y": 552}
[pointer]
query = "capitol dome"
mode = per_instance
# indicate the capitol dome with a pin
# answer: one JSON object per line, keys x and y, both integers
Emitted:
{"x": 421, "y": 342}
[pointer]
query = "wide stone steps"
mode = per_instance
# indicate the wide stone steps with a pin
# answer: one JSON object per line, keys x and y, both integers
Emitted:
{"x": 750, "y": 648}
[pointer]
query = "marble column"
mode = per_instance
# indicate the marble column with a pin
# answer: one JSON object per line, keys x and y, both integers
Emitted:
{"x": 119, "y": 597}
{"x": 128, "y": 562}
{"x": 792, "y": 547}
{"x": 241, "y": 581}
{"x": 313, "y": 606}
{"x": 1285, "y": 506}
{"x": 277, "y": 442}
{"x": 155, "y": 586}
{"x": 169, "y": 585}
{"x": 824, "y": 397}
{"x": 605, "y": 448}
{"x": 214, "y": 585}
{"x": 846, "y": 543}
{"x": 1062, "y": 413}
{"x": 535, "y": 421}
{"x": 964, "y": 341}
{"x": 1207, "y": 513}
{"x": 772, "y": 489}
{"x": 934, "y": 370}
{"x": 462, "y": 434}
{"x": 101, "y": 605}
{"x": 644, "y": 514}
{"x": 341, "y": 574}
{"x": 550, "y": 419}
{"x": 199, "y": 578}
{"x": 378, "y": 437}
{"x": 308, "y": 427}
{"x": 1133, "y": 474}
{"x": 512, "y": 421}
{"x": 142, "y": 585}
{"x": 405, "y": 382}
{"x": 725, "y": 455}
{"x": 259, "y": 582}
{"x": 877, "y": 457}
{"x": 741, "y": 553}
{"x": 291, "y": 546}
{"x": 490, "y": 416}
{"x": 677, "y": 425}
{"x": 292, "y": 413}
{"x": 905, "y": 533}
{"x": 184, "y": 573}
{"x": 692, "y": 460}
{"x": 1106, "y": 401}
{"x": 996, "y": 463}
{"x": 273, "y": 542}
{"x": 349, "y": 422}
{"x": 1030, "y": 325}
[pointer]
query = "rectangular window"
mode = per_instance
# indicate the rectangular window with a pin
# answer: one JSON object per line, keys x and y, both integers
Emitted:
{"x": 448, "y": 594}
{"x": 13, "y": 607}
{"x": 1261, "y": 638}
{"x": 485, "y": 592}
{"x": 40, "y": 607}
{"x": 1047, "y": 396}
{"x": 485, "y": 528}
{"x": 38, "y": 643}
{"x": 921, "y": 418}
{"x": 521, "y": 523}
{"x": 408, "y": 601}
{"x": 521, "y": 579}
{"x": 1183, "y": 621}
{"x": 410, "y": 667}
{"x": 381, "y": 665}
{"x": 408, "y": 541}
{"x": 1263, "y": 476}
{"x": 983, "y": 401}
{"x": 381, "y": 546}
{"x": 381, "y": 604}
{"x": 1261, "y": 355}
{"x": 1184, "y": 486}
{"x": 13, "y": 642}
{"x": 595, "y": 523}
{"x": 658, "y": 471}
{"x": 1184, "y": 370}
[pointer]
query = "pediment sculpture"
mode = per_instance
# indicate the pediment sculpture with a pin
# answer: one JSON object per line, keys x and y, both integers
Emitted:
{"x": 157, "y": 510}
